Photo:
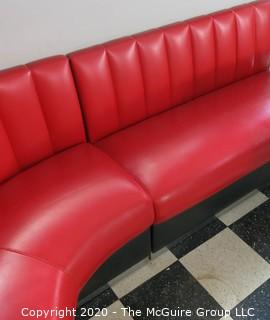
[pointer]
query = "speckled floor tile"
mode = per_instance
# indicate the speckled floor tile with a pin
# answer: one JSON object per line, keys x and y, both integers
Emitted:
{"x": 227, "y": 268}
{"x": 143, "y": 271}
{"x": 241, "y": 207}
{"x": 183, "y": 246}
{"x": 259, "y": 300}
{"x": 266, "y": 190}
{"x": 254, "y": 229}
{"x": 114, "y": 312}
{"x": 105, "y": 299}
{"x": 173, "y": 288}
{"x": 219, "y": 267}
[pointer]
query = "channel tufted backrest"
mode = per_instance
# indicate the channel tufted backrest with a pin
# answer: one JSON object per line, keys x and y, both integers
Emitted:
{"x": 39, "y": 113}
{"x": 127, "y": 80}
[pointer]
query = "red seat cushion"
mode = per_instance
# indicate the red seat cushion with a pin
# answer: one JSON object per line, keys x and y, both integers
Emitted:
{"x": 72, "y": 212}
{"x": 30, "y": 284}
{"x": 189, "y": 153}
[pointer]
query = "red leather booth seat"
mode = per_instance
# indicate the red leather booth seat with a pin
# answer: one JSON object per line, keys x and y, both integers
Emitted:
{"x": 185, "y": 155}
{"x": 64, "y": 216}
{"x": 173, "y": 116}
{"x": 214, "y": 135}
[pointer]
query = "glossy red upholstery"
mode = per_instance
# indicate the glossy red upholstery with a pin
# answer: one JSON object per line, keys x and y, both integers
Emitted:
{"x": 33, "y": 284}
{"x": 39, "y": 113}
{"x": 176, "y": 114}
{"x": 187, "y": 154}
{"x": 65, "y": 205}
{"x": 60, "y": 197}
{"x": 128, "y": 80}
{"x": 61, "y": 223}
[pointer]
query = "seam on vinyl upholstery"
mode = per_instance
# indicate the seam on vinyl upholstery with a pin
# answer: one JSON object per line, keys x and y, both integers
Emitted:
{"x": 86, "y": 129}
{"x": 42, "y": 109}
{"x": 254, "y": 14}
{"x": 33, "y": 257}
{"x": 215, "y": 50}
{"x": 168, "y": 65}
{"x": 107, "y": 55}
{"x": 11, "y": 144}
{"x": 236, "y": 44}
{"x": 193, "y": 58}
{"x": 142, "y": 75}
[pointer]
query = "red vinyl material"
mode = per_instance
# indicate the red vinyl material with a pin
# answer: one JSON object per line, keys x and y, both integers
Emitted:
{"x": 64, "y": 217}
{"x": 39, "y": 114}
{"x": 176, "y": 114}
{"x": 128, "y": 80}
{"x": 29, "y": 285}
{"x": 187, "y": 154}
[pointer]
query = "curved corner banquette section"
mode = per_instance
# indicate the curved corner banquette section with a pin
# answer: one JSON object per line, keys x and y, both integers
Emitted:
{"x": 141, "y": 133}
{"x": 65, "y": 205}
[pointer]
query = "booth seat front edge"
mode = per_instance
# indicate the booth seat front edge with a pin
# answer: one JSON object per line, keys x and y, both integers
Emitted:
{"x": 177, "y": 118}
{"x": 65, "y": 205}
{"x": 185, "y": 109}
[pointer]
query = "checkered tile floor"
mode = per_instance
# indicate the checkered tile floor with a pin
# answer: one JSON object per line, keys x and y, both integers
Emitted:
{"x": 223, "y": 266}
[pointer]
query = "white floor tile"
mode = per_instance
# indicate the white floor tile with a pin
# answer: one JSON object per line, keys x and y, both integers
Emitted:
{"x": 241, "y": 207}
{"x": 227, "y": 268}
{"x": 143, "y": 271}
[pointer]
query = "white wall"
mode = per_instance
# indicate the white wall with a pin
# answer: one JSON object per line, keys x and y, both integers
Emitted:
{"x": 31, "y": 29}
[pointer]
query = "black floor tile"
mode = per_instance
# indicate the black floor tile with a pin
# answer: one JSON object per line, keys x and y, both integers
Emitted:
{"x": 104, "y": 300}
{"x": 254, "y": 229}
{"x": 266, "y": 190}
{"x": 259, "y": 300}
{"x": 183, "y": 246}
{"x": 175, "y": 289}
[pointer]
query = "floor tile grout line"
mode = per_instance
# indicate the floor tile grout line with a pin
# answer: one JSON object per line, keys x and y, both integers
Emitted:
{"x": 227, "y": 227}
